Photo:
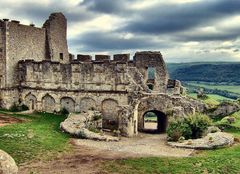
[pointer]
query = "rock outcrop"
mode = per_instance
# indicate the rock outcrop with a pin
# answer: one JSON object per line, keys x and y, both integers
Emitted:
{"x": 7, "y": 164}
{"x": 226, "y": 108}
{"x": 84, "y": 125}
{"x": 211, "y": 141}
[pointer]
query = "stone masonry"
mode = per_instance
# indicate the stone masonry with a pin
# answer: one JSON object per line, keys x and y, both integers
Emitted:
{"x": 37, "y": 70}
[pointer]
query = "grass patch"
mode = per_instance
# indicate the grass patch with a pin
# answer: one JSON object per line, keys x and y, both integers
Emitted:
{"x": 233, "y": 126}
{"x": 38, "y": 136}
{"x": 213, "y": 99}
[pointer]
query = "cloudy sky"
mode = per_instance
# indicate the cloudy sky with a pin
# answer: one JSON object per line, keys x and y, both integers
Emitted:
{"x": 183, "y": 30}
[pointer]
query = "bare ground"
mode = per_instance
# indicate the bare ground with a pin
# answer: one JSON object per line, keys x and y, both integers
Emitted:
{"x": 6, "y": 120}
{"x": 88, "y": 155}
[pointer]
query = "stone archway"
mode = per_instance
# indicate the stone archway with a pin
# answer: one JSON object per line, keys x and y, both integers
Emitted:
{"x": 154, "y": 121}
{"x": 30, "y": 101}
{"x": 48, "y": 103}
{"x": 68, "y": 103}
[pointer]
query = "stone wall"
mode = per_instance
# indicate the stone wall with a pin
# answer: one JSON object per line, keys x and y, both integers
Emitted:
{"x": 23, "y": 42}
{"x": 55, "y": 100}
{"x": 2, "y": 54}
{"x": 57, "y": 48}
{"x": 145, "y": 60}
{"x": 86, "y": 76}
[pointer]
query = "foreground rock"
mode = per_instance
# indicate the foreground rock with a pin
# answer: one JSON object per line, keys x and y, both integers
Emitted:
{"x": 80, "y": 125}
{"x": 211, "y": 141}
{"x": 7, "y": 164}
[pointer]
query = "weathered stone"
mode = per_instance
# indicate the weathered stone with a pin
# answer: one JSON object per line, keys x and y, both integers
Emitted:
{"x": 81, "y": 124}
{"x": 7, "y": 164}
{"x": 226, "y": 108}
{"x": 211, "y": 141}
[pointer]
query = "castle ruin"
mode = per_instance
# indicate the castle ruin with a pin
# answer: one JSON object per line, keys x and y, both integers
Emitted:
{"x": 37, "y": 70}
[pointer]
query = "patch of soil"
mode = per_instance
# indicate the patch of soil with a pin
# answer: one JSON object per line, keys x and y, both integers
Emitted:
{"x": 83, "y": 160}
{"x": 88, "y": 155}
{"x": 6, "y": 120}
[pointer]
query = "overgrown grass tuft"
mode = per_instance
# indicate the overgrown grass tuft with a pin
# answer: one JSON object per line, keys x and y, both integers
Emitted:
{"x": 38, "y": 136}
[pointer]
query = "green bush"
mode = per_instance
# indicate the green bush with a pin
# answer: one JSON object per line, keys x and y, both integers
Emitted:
{"x": 190, "y": 127}
{"x": 178, "y": 128}
{"x": 97, "y": 117}
{"x": 198, "y": 124}
{"x": 18, "y": 108}
{"x": 64, "y": 111}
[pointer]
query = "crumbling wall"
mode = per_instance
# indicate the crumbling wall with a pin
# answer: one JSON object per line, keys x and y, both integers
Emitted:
{"x": 92, "y": 76}
{"x": 56, "y": 36}
{"x": 145, "y": 60}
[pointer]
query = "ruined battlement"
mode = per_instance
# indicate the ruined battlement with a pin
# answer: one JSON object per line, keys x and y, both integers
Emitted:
{"x": 37, "y": 70}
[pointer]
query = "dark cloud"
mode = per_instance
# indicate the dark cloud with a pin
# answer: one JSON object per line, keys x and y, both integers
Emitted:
{"x": 207, "y": 37}
{"x": 107, "y": 6}
{"x": 39, "y": 12}
{"x": 104, "y": 41}
{"x": 162, "y": 19}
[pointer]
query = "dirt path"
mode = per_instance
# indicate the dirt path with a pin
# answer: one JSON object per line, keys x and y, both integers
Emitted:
{"x": 88, "y": 155}
{"x": 6, "y": 120}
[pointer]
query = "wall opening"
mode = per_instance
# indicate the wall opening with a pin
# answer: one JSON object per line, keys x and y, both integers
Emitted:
{"x": 151, "y": 73}
{"x": 150, "y": 86}
{"x": 150, "y": 78}
{"x": 154, "y": 122}
{"x": 61, "y": 56}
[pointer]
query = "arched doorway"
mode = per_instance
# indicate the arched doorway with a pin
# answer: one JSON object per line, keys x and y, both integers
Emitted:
{"x": 154, "y": 121}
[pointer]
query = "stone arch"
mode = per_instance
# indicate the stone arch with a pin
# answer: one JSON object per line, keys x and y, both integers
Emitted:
{"x": 68, "y": 103}
{"x": 48, "y": 103}
{"x": 31, "y": 101}
{"x": 87, "y": 103}
{"x": 158, "y": 105}
{"x": 159, "y": 126}
{"x": 109, "y": 110}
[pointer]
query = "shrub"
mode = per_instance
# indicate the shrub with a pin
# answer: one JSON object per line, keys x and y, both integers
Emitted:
{"x": 18, "y": 108}
{"x": 198, "y": 124}
{"x": 64, "y": 111}
{"x": 14, "y": 108}
{"x": 178, "y": 128}
{"x": 97, "y": 117}
{"x": 190, "y": 127}
{"x": 24, "y": 107}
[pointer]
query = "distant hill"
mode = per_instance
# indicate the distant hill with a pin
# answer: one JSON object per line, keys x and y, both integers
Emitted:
{"x": 224, "y": 72}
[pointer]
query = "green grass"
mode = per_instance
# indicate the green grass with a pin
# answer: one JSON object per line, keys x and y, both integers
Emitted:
{"x": 230, "y": 88}
{"x": 38, "y": 137}
{"x": 150, "y": 119}
{"x": 213, "y": 99}
{"x": 233, "y": 126}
